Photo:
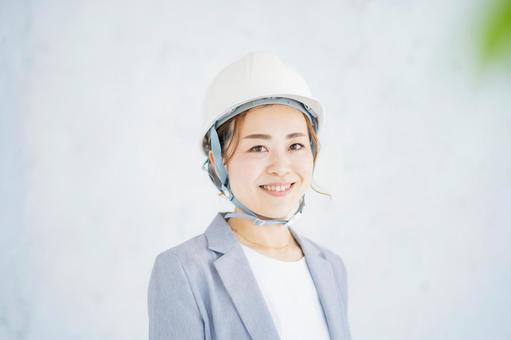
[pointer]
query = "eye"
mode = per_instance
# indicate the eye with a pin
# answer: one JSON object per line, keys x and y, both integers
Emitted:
{"x": 256, "y": 148}
{"x": 300, "y": 146}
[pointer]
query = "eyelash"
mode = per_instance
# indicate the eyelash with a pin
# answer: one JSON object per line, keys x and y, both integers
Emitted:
{"x": 257, "y": 146}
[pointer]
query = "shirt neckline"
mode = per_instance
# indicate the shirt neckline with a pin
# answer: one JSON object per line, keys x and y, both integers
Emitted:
{"x": 269, "y": 258}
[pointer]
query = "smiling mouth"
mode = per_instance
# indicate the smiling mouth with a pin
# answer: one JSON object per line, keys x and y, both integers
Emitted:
{"x": 277, "y": 188}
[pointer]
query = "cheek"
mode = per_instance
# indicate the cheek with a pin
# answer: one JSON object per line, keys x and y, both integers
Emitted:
{"x": 305, "y": 167}
{"x": 243, "y": 172}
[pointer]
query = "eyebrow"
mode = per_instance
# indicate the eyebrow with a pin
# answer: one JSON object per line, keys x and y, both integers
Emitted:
{"x": 263, "y": 136}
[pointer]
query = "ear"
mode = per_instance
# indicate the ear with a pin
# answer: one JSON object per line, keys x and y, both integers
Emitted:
{"x": 212, "y": 159}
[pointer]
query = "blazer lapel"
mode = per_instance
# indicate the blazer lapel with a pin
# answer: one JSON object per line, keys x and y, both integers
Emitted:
{"x": 239, "y": 281}
{"x": 323, "y": 276}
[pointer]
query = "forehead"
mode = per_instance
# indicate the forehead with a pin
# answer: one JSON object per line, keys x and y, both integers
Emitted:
{"x": 274, "y": 118}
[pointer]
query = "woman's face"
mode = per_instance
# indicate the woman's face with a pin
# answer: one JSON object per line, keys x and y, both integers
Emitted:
{"x": 272, "y": 165}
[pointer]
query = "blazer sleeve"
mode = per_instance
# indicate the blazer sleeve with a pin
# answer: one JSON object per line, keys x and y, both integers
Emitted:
{"x": 173, "y": 311}
{"x": 343, "y": 280}
{"x": 342, "y": 274}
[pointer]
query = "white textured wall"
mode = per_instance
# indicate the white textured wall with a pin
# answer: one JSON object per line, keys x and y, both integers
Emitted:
{"x": 100, "y": 165}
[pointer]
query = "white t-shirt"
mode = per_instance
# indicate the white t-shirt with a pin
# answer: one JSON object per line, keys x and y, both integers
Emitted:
{"x": 291, "y": 296}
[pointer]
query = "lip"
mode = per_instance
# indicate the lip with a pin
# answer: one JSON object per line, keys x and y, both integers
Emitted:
{"x": 278, "y": 193}
{"x": 279, "y": 183}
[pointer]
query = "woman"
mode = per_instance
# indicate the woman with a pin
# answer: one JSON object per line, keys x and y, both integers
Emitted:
{"x": 250, "y": 275}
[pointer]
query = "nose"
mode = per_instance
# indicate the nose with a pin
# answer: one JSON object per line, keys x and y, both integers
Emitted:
{"x": 279, "y": 164}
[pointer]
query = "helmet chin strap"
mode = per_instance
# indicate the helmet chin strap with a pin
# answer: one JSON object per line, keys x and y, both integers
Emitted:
{"x": 224, "y": 187}
{"x": 257, "y": 220}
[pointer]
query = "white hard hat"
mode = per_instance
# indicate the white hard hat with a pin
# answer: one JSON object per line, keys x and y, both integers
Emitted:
{"x": 256, "y": 79}
{"x": 254, "y": 76}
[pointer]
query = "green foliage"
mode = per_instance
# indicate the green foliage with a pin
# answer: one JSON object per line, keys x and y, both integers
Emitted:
{"x": 495, "y": 40}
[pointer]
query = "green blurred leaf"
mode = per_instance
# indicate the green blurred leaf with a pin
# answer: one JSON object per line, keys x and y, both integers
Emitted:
{"x": 496, "y": 33}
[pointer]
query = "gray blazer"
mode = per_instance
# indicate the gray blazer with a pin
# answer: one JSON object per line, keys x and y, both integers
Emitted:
{"x": 204, "y": 288}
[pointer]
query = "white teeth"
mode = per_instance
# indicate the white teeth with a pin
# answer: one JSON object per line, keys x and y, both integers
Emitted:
{"x": 276, "y": 187}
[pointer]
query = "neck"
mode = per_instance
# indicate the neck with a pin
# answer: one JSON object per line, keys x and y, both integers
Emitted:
{"x": 270, "y": 236}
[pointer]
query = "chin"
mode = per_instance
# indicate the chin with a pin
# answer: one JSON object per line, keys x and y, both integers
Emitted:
{"x": 265, "y": 210}
{"x": 275, "y": 215}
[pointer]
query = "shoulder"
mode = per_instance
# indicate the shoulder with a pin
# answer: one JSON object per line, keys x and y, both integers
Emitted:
{"x": 191, "y": 250}
{"x": 191, "y": 257}
{"x": 173, "y": 304}
{"x": 328, "y": 254}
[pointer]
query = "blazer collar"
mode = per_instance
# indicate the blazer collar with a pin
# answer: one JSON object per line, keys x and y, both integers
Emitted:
{"x": 240, "y": 282}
